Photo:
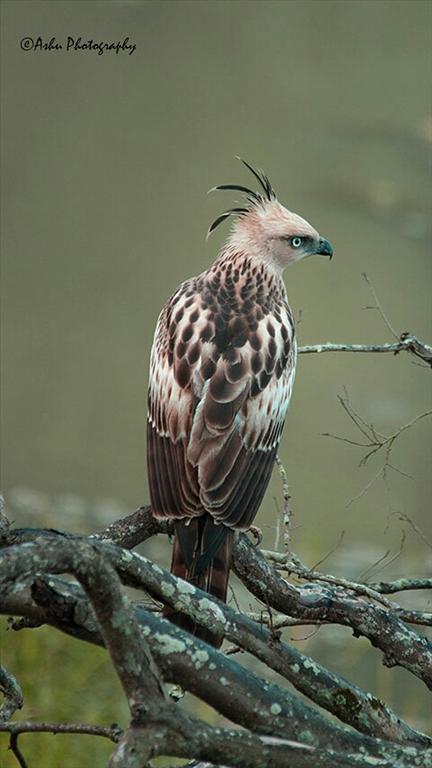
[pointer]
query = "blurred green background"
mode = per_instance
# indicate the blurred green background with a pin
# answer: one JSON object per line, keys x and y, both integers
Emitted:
{"x": 106, "y": 163}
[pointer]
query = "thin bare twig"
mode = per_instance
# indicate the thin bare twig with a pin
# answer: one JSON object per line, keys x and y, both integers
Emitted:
{"x": 407, "y": 343}
{"x": 330, "y": 552}
{"x": 374, "y": 441}
{"x": 374, "y": 565}
{"x": 14, "y": 748}
{"x": 287, "y": 510}
{"x": 384, "y": 561}
{"x": 111, "y": 732}
{"x": 414, "y": 526}
{"x": 388, "y": 442}
{"x": 378, "y": 306}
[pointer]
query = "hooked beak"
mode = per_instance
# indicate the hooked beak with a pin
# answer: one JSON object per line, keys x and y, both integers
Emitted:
{"x": 324, "y": 248}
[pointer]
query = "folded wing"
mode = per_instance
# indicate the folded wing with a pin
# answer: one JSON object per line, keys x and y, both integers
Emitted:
{"x": 218, "y": 397}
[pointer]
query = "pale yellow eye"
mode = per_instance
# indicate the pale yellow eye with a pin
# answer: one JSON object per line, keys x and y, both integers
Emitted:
{"x": 296, "y": 242}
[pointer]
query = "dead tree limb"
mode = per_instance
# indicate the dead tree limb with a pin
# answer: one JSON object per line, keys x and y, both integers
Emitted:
{"x": 270, "y": 711}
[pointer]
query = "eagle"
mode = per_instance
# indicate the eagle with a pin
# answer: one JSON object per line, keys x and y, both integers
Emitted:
{"x": 222, "y": 369}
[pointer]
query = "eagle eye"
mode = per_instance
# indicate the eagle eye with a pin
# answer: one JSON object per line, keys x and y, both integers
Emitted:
{"x": 296, "y": 242}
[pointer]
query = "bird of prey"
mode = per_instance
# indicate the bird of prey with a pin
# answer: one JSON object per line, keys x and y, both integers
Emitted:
{"x": 221, "y": 373}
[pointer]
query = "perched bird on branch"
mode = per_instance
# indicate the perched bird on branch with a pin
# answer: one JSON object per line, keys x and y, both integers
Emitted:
{"x": 221, "y": 373}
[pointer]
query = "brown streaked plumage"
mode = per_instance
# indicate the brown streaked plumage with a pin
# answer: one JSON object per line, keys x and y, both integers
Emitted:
{"x": 221, "y": 374}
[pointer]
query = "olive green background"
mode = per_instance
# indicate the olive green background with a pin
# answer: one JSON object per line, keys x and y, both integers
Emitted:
{"x": 106, "y": 163}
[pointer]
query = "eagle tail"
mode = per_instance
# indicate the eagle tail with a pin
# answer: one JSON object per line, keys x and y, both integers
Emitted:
{"x": 202, "y": 556}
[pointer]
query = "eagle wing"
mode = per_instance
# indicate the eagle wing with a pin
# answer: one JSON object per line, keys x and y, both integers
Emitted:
{"x": 219, "y": 390}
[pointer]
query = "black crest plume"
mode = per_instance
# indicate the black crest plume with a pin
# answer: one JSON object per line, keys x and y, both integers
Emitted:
{"x": 266, "y": 194}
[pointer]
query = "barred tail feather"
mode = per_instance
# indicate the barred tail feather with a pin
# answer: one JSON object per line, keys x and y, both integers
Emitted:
{"x": 201, "y": 555}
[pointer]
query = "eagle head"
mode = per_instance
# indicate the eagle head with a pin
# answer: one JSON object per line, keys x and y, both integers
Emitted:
{"x": 268, "y": 231}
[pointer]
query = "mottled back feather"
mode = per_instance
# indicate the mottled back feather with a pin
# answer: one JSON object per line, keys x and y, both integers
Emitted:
{"x": 222, "y": 369}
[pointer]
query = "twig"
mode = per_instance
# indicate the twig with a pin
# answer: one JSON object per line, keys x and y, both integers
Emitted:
{"x": 393, "y": 558}
{"x": 112, "y": 732}
{"x": 378, "y": 306}
{"x": 374, "y": 441}
{"x": 403, "y": 516}
{"x": 374, "y": 566}
{"x": 13, "y": 746}
{"x": 330, "y": 552}
{"x": 388, "y": 442}
{"x": 400, "y": 585}
{"x": 287, "y": 511}
{"x": 407, "y": 343}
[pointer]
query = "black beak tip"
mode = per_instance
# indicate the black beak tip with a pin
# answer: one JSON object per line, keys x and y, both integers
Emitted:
{"x": 325, "y": 248}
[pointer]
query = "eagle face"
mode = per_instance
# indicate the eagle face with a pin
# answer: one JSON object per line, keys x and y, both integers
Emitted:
{"x": 277, "y": 236}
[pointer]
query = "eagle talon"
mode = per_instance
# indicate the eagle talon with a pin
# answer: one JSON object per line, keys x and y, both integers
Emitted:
{"x": 256, "y": 533}
{"x": 176, "y": 693}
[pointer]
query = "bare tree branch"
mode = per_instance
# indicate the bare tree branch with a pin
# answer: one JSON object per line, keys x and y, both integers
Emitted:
{"x": 309, "y": 677}
{"x": 134, "y": 529}
{"x": 400, "y": 585}
{"x": 407, "y": 343}
{"x": 237, "y": 747}
{"x": 400, "y": 645}
{"x": 13, "y": 697}
{"x": 111, "y": 732}
{"x": 144, "y": 646}
{"x": 176, "y": 661}
{"x": 295, "y": 565}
